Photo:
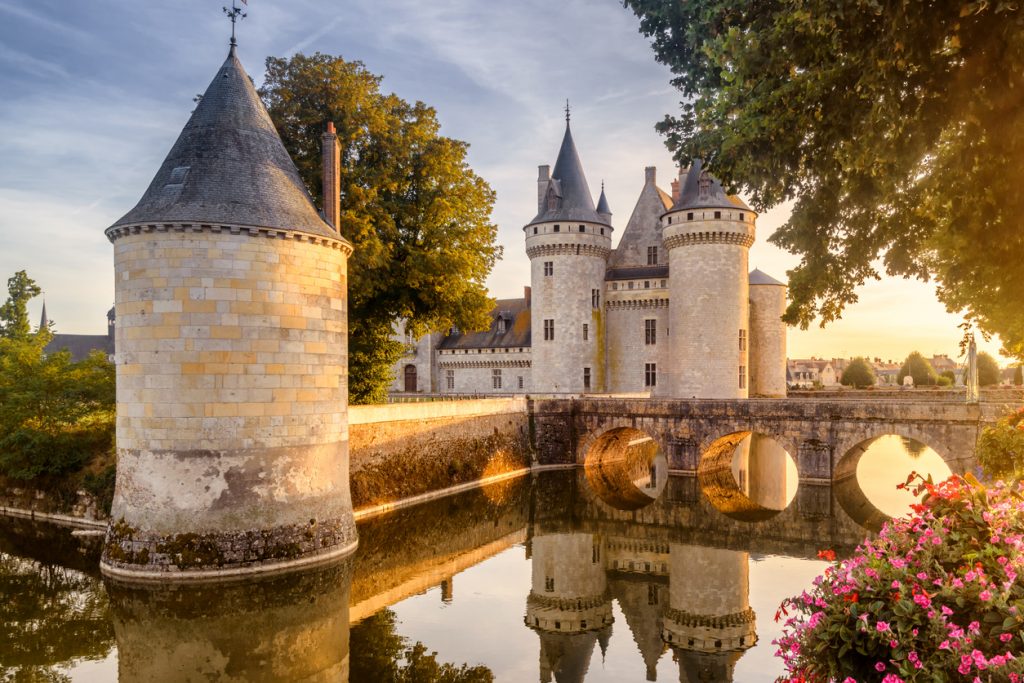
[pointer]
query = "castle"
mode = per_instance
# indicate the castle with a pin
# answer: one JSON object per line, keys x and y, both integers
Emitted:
{"x": 672, "y": 311}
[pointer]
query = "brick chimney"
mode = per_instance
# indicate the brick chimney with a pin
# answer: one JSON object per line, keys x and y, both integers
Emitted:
{"x": 331, "y": 154}
{"x": 651, "y": 175}
{"x": 543, "y": 176}
{"x": 528, "y": 295}
{"x": 675, "y": 190}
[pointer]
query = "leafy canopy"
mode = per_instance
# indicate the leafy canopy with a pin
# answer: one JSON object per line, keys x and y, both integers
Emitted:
{"x": 858, "y": 374}
{"x": 418, "y": 215}
{"x": 918, "y": 367}
{"x": 988, "y": 370}
{"x": 896, "y": 130}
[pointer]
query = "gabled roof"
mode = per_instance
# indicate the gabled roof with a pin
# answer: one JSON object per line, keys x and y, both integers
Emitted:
{"x": 229, "y": 166}
{"x": 644, "y": 227}
{"x": 708, "y": 194}
{"x": 569, "y": 183}
{"x": 80, "y": 345}
{"x": 759, "y": 277}
{"x": 516, "y": 334}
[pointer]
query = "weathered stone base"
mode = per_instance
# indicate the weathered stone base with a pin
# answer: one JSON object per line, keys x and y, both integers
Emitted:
{"x": 132, "y": 554}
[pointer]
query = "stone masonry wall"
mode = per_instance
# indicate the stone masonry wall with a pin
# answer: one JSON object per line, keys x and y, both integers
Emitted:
{"x": 628, "y": 350}
{"x": 472, "y": 371}
{"x": 406, "y": 449}
{"x": 767, "y": 338}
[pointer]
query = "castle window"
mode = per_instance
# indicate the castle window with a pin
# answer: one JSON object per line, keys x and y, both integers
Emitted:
{"x": 670, "y": 220}
{"x": 650, "y": 374}
{"x": 647, "y": 284}
{"x": 519, "y": 381}
{"x": 718, "y": 214}
{"x": 662, "y": 283}
{"x": 549, "y": 584}
{"x": 549, "y": 330}
{"x": 449, "y": 379}
{"x": 743, "y": 340}
{"x": 743, "y": 377}
{"x": 558, "y": 228}
{"x": 586, "y": 378}
{"x": 586, "y": 331}
{"x": 549, "y": 268}
{"x": 650, "y": 332}
{"x": 615, "y": 286}
{"x": 583, "y": 623}
{"x": 595, "y": 298}
{"x": 602, "y": 231}
{"x": 631, "y": 284}
{"x": 652, "y": 256}
{"x": 689, "y": 216}
{"x": 502, "y": 325}
{"x": 535, "y": 230}
{"x": 496, "y": 378}
{"x": 741, "y": 216}
{"x": 583, "y": 228}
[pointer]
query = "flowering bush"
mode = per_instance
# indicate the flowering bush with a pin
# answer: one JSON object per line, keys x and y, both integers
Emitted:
{"x": 1001, "y": 446}
{"x": 935, "y": 597}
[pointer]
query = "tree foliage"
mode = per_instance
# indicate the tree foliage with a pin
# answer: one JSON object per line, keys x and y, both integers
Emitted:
{"x": 55, "y": 414}
{"x": 1000, "y": 448}
{"x": 858, "y": 374}
{"x": 918, "y": 367}
{"x": 1018, "y": 376}
{"x": 988, "y": 370}
{"x": 895, "y": 130}
{"x": 418, "y": 215}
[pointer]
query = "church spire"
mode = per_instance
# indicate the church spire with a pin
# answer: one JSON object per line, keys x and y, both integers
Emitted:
{"x": 44, "y": 322}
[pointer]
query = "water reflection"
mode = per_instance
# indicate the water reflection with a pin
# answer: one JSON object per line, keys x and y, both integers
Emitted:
{"x": 53, "y": 610}
{"x": 627, "y": 468}
{"x": 867, "y": 476}
{"x": 748, "y": 476}
{"x": 290, "y": 628}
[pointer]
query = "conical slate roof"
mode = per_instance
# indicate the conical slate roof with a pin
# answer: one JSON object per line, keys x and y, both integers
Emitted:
{"x": 712, "y": 196}
{"x": 569, "y": 183}
{"x": 230, "y": 167}
{"x": 602, "y": 203}
{"x": 759, "y": 277}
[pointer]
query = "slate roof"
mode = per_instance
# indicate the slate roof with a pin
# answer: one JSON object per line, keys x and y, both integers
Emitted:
{"x": 636, "y": 273}
{"x": 229, "y": 166}
{"x": 569, "y": 183}
{"x": 516, "y": 314}
{"x": 602, "y": 203}
{"x": 759, "y": 277}
{"x": 713, "y": 195}
{"x": 80, "y": 345}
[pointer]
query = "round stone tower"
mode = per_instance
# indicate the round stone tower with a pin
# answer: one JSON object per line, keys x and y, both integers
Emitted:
{"x": 767, "y": 336}
{"x": 231, "y": 350}
{"x": 708, "y": 234}
{"x": 568, "y": 243}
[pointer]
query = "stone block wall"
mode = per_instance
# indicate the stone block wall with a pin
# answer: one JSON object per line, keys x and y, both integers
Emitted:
{"x": 231, "y": 396}
{"x": 767, "y": 338}
{"x": 402, "y": 450}
{"x": 473, "y": 371}
{"x": 628, "y": 350}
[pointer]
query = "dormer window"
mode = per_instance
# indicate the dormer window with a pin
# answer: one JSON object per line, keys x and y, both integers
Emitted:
{"x": 704, "y": 185}
{"x": 552, "y": 200}
{"x": 502, "y": 325}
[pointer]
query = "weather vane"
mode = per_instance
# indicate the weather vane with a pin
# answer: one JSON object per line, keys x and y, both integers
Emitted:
{"x": 235, "y": 14}
{"x": 567, "y": 110}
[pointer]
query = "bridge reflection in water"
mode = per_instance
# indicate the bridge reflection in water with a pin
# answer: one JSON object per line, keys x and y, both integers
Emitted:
{"x": 664, "y": 584}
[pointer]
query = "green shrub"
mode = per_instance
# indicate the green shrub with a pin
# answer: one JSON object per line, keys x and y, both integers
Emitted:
{"x": 1000, "y": 447}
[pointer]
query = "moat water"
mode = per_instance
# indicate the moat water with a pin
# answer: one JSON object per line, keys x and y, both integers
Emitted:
{"x": 622, "y": 574}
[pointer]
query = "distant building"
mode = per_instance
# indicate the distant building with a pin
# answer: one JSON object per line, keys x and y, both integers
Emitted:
{"x": 81, "y": 345}
{"x": 672, "y": 311}
{"x": 805, "y": 373}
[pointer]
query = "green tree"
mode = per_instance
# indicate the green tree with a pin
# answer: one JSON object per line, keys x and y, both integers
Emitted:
{"x": 57, "y": 414}
{"x": 988, "y": 370}
{"x": 418, "y": 215}
{"x": 950, "y": 376}
{"x": 895, "y": 131}
{"x": 14, "y": 322}
{"x": 858, "y": 374}
{"x": 918, "y": 367}
{"x": 1018, "y": 376}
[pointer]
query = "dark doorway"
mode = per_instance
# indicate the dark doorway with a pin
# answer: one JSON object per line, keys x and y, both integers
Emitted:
{"x": 410, "y": 378}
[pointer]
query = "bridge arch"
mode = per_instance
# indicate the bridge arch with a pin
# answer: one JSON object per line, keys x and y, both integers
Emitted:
{"x": 747, "y": 475}
{"x": 626, "y": 468}
{"x": 606, "y": 427}
{"x": 853, "y": 440}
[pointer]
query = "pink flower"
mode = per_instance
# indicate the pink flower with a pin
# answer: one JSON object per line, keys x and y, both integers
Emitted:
{"x": 985, "y": 595}
{"x": 879, "y": 666}
{"x": 1005, "y": 637}
{"x": 880, "y": 627}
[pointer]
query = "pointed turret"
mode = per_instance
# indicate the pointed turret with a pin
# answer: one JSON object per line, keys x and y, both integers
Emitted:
{"x": 44, "y": 322}
{"x": 701, "y": 190}
{"x": 568, "y": 197}
{"x": 602, "y": 206}
{"x": 229, "y": 167}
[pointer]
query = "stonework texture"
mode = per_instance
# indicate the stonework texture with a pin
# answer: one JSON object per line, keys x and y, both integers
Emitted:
{"x": 231, "y": 397}
{"x": 485, "y": 371}
{"x": 628, "y": 349}
{"x": 767, "y": 341}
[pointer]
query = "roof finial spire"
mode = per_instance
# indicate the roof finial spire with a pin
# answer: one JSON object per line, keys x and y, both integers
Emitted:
{"x": 567, "y": 111}
{"x": 235, "y": 14}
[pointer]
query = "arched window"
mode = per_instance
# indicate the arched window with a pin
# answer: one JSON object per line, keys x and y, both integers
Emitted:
{"x": 410, "y": 378}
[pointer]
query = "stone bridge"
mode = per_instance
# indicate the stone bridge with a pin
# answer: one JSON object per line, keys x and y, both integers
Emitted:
{"x": 825, "y": 438}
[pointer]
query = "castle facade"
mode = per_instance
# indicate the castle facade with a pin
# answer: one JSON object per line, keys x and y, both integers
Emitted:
{"x": 672, "y": 311}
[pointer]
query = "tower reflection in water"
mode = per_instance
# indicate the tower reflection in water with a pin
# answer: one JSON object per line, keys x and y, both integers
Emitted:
{"x": 693, "y": 600}
{"x": 290, "y": 628}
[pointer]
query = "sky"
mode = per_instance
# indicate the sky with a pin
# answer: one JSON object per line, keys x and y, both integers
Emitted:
{"x": 94, "y": 93}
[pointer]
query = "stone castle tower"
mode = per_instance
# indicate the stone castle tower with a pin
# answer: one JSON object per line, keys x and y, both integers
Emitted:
{"x": 232, "y": 423}
{"x": 568, "y": 243}
{"x": 707, "y": 235}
